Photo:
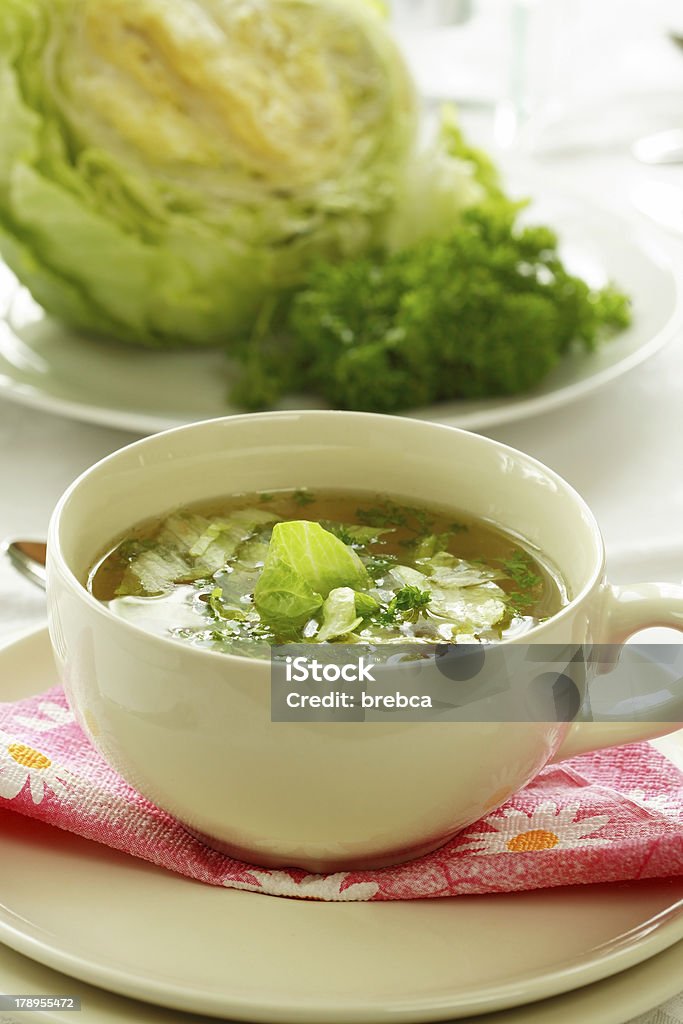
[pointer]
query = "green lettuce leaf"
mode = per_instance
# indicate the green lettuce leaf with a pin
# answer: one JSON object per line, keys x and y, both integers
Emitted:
{"x": 338, "y": 614}
{"x": 432, "y": 544}
{"x": 251, "y": 555}
{"x": 304, "y": 563}
{"x": 366, "y": 605}
{"x": 409, "y": 577}
{"x": 446, "y": 177}
{"x": 182, "y": 530}
{"x": 221, "y": 538}
{"x": 163, "y": 169}
{"x": 465, "y": 596}
{"x": 462, "y": 574}
{"x": 188, "y": 547}
{"x": 282, "y": 595}
{"x": 319, "y": 557}
{"x": 155, "y": 570}
{"x": 470, "y": 609}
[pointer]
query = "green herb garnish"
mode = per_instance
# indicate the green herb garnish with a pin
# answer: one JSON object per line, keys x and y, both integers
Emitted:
{"x": 430, "y": 544}
{"x": 390, "y": 514}
{"x": 214, "y": 602}
{"x": 378, "y": 565}
{"x": 519, "y": 567}
{"x": 355, "y": 536}
{"x": 303, "y": 497}
{"x": 405, "y": 606}
{"x": 469, "y": 304}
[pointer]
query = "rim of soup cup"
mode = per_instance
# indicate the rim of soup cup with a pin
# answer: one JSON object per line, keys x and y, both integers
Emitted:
{"x": 56, "y": 556}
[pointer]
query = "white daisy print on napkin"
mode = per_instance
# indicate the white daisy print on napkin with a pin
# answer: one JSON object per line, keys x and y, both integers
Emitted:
{"x": 548, "y": 827}
{"x": 20, "y": 764}
{"x": 52, "y": 716}
{"x": 312, "y": 887}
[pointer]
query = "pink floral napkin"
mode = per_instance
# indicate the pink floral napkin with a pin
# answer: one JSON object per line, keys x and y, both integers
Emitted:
{"x": 611, "y": 816}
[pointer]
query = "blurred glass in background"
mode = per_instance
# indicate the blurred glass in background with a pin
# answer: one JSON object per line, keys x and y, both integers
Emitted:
{"x": 550, "y": 76}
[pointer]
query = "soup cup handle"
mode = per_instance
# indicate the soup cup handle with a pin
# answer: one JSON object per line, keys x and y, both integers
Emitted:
{"x": 627, "y": 610}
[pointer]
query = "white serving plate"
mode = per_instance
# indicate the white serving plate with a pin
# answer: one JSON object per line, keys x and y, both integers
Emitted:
{"x": 49, "y": 367}
{"x": 613, "y": 1001}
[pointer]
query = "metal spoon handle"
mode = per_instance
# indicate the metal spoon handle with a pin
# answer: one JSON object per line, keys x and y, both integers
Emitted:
{"x": 28, "y": 558}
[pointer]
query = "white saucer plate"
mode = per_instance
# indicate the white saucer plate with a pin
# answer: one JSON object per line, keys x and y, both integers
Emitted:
{"x": 121, "y": 924}
{"x": 614, "y": 1001}
{"x": 44, "y": 365}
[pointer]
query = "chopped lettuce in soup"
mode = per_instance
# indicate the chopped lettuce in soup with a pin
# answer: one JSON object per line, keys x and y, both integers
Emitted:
{"x": 242, "y": 574}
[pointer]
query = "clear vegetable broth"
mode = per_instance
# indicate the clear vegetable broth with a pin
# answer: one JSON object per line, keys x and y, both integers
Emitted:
{"x": 240, "y": 574}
